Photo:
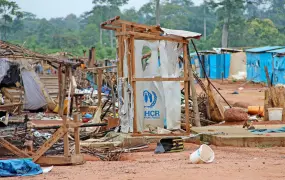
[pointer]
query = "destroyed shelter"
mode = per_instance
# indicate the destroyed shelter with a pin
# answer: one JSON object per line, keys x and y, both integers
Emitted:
{"x": 20, "y": 84}
{"x": 144, "y": 93}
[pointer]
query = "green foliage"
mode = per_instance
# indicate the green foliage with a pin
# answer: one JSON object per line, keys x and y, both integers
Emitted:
{"x": 251, "y": 23}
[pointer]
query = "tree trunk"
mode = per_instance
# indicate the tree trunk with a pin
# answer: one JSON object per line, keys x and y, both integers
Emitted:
{"x": 157, "y": 12}
{"x": 205, "y": 22}
{"x": 111, "y": 39}
{"x": 101, "y": 35}
{"x": 225, "y": 34}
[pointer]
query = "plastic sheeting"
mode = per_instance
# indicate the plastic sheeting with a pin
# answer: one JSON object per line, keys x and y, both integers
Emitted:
{"x": 12, "y": 76}
{"x": 158, "y": 102}
{"x": 19, "y": 167}
{"x": 34, "y": 98}
{"x": 4, "y": 67}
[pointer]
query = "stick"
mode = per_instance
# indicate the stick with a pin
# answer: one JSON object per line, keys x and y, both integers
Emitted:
{"x": 194, "y": 95}
{"x": 207, "y": 75}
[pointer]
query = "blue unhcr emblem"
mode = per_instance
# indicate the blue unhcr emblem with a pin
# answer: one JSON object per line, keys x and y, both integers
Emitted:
{"x": 149, "y": 99}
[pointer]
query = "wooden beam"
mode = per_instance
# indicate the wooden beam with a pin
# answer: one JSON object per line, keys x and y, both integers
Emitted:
{"x": 93, "y": 58}
{"x": 60, "y": 92}
{"x": 134, "y": 85}
{"x": 13, "y": 149}
{"x": 99, "y": 86}
{"x": 136, "y": 25}
{"x": 77, "y": 159}
{"x": 186, "y": 87}
{"x": 65, "y": 119}
{"x": 49, "y": 143}
{"x": 158, "y": 79}
{"x": 100, "y": 68}
{"x": 76, "y": 134}
{"x": 147, "y": 36}
{"x": 194, "y": 95}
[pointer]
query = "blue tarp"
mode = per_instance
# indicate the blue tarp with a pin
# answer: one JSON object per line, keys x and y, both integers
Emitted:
{"x": 217, "y": 66}
{"x": 265, "y": 131}
{"x": 19, "y": 167}
{"x": 258, "y": 58}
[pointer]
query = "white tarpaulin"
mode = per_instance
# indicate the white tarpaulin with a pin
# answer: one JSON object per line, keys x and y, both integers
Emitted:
{"x": 34, "y": 98}
{"x": 4, "y": 67}
{"x": 158, "y": 103}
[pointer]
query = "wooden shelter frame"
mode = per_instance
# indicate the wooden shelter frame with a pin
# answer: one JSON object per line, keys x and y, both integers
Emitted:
{"x": 129, "y": 32}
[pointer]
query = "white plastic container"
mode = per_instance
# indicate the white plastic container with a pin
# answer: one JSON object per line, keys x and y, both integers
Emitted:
{"x": 275, "y": 114}
{"x": 202, "y": 155}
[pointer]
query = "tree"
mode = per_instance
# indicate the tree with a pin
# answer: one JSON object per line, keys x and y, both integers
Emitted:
{"x": 9, "y": 10}
{"x": 157, "y": 12}
{"x": 227, "y": 10}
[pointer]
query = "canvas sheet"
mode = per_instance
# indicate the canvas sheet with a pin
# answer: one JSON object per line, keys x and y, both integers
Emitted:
{"x": 34, "y": 98}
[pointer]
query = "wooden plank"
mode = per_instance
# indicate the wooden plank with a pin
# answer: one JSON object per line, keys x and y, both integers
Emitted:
{"x": 65, "y": 119}
{"x": 134, "y": 86}
{"x": 13, "y": 149}
{"x": 101, "y": 68}
{"x": 120, "y": 61}
{"x": 266, "y": 105}
{"x": 49, "y": 143}
{"x": 267, "y": 77}
{"x": 158, "y": 79}
{"x": 99, "y": 83}
{"x": 76, "y": 134}
{"x": 61, "y": 97}
{"x": 194, "y": 95}
{"x": 60, "y": 161}
{"x": 186, "y": 87}
{"x": 159, "y": 135}
{"x": 152, "y": 37}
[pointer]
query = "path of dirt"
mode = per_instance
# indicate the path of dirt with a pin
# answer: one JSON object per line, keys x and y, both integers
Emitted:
{"x": 230, "y": 164}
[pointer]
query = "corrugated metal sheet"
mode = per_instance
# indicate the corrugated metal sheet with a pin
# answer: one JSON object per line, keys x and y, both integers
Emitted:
{"x": 279, "y": 70}
{"x": 217, "y": 66}
{"x": 264, "y": 49}
{"x": 182, "y": 33}
{"x": 278, "y": 51}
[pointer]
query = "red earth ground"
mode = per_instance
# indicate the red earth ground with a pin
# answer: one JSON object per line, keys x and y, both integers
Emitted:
{"x": 230, "y": 164}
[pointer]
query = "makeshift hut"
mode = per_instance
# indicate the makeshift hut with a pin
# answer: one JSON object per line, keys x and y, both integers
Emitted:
{"x": 278, "y": 66}
{"x": 217, "y": 63}
{"x": 257, "y": 59}
{"x": 17, "y": 69}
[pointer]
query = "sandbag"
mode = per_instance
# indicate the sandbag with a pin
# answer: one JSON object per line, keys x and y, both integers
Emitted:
{"x": 235, "y": 115}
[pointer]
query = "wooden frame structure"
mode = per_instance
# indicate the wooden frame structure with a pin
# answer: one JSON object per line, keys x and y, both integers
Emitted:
{"x": 129, "y": 32}
{"x": 63, "y": 131}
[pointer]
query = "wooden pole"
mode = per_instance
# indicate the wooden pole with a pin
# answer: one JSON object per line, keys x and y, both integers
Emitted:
{"x": 99, "y": 86}
{"x": 65, "y": 119}
{"x": 76, "y": 134}
{"x": 60, "y": 91}
{"x": 113, "y": 99}
{"x": 194, "y": 94}
{"x": 93, "y": 58}
{"x": 186, "y": 87}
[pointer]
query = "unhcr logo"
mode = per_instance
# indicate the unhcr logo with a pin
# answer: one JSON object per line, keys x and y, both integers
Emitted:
{"x": 150, "y": 99}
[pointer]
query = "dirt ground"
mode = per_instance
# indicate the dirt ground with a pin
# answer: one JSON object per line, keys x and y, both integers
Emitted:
{"x": 230, "y": 163}
{"x": 252, "y": 94}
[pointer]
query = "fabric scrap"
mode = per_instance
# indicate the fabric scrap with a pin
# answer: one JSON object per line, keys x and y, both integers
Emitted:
{"x": 265, "y": 131}
{"x": 19, "y": 167}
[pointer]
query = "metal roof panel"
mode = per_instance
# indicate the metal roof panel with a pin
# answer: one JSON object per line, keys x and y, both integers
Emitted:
{"x": 278, "y": 51}
{"x": 264, "y": 49}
